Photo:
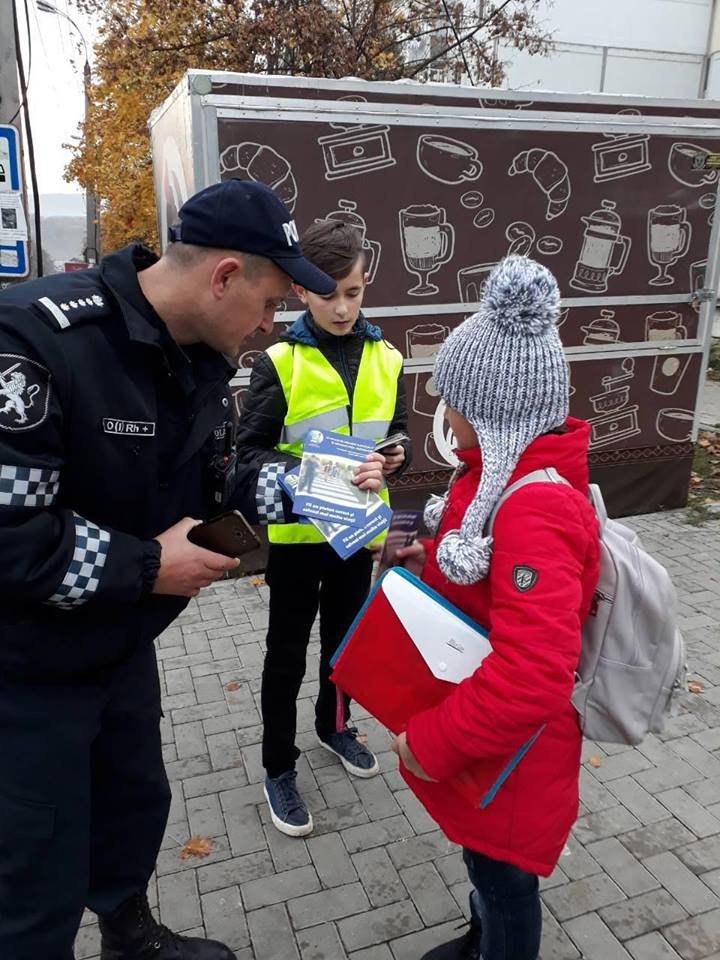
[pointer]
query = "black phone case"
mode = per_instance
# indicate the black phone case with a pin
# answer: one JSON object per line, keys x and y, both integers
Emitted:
{"x": 390, "y": 441}
{"x": 229, "y": 534}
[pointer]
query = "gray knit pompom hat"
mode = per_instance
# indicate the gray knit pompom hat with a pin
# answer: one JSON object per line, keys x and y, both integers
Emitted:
{"x": 504, "y": 370}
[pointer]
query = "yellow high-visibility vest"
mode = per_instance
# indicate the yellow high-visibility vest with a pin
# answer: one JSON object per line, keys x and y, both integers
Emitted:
{"x": 316, "y": 398}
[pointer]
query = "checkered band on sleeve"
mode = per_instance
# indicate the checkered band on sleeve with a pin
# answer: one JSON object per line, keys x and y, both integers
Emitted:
{"x": 28, "y": 486}
{"x": 83, "y": 575}
{"x": 269, "y": 493}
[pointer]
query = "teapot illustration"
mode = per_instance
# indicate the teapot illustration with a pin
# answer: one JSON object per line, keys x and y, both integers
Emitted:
{"x": 346, "y": 214}
{"x": 604, "y": 251}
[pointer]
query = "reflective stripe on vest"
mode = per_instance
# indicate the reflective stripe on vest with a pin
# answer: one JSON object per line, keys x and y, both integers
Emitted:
{"x": 316, "y": 398}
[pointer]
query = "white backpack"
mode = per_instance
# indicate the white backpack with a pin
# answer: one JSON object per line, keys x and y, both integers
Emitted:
{"x": 633, "y": 656}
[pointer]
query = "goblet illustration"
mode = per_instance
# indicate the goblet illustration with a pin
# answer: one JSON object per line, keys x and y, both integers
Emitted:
{"x": 427, "y": 243}
{"x": 668, "y": 239}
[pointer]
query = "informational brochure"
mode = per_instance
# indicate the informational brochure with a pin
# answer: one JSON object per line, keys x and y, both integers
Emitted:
{"x": 325, "y": 490}
{"x": 345, "y": 540}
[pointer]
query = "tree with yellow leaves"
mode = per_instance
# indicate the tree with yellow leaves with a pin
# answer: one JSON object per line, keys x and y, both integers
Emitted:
{"x": 145, "y": 46}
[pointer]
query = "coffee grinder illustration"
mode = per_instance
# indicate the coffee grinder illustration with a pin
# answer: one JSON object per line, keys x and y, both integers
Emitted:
{"x": 604, "y": 251}
{"x": 615, "y": 420}
{"x": 348, "y": 214}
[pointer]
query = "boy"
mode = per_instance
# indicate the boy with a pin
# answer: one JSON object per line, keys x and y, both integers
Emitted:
{"x": 331, "y": 369}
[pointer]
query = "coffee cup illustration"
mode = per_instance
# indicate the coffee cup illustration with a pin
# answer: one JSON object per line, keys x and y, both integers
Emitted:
{"x": 447, "y": 160}
{"x": 472, "y": 280}
{"x": 686, "y": 164}
{"x": 674, "y": 424}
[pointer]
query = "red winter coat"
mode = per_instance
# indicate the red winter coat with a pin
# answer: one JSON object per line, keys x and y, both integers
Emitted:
{"x": 527, "y": 679}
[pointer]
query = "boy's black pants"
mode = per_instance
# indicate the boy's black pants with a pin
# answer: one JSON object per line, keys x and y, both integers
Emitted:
{"x": 302, "y": 578}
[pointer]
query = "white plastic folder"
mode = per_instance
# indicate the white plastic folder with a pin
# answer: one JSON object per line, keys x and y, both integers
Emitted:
{"x": 452, "y": 646}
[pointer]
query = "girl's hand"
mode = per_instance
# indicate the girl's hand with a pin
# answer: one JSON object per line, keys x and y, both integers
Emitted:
{"x": 401, "y": 748}
{"x": 413, "y": 557}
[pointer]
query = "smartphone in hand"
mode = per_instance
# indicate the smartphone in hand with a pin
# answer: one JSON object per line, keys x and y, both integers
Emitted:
{"x": 392, "y": 441}
{"x": 229, "y": 534}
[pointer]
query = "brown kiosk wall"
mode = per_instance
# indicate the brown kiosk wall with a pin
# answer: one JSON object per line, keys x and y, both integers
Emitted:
{"x": 611, "y": 193}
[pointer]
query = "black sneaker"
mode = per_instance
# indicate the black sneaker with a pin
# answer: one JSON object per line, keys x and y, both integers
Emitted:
{"x": 132, "y": 933}
{"x": 356, "y": 758}
{"x": 287, "y": 810}
{"x": 466, "y": 947}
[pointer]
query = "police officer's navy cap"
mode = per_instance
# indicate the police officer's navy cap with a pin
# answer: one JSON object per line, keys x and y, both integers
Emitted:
{"x": 248, "y": 216}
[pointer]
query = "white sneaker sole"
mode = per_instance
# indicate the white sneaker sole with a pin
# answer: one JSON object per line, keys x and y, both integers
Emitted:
{"x": 288, "y": 828}
{"x": 355, "y": 771}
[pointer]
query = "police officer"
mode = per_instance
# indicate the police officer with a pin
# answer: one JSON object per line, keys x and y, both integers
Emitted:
{"x": 115, "y": 430}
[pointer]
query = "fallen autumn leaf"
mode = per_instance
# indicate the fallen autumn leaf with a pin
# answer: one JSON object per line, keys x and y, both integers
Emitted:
{"x": 694, "y": 686}
{"x": 232, "y": 686}
{"x": 595, "y": 762}
{"x": 196, "y": 847}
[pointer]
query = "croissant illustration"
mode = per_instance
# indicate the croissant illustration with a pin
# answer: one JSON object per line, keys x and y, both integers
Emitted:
{"x": 549, "y": 173}
{"x": 256, "y": 161}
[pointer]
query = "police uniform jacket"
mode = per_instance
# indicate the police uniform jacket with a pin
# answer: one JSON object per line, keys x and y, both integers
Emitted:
{"x": 107, "y": 432}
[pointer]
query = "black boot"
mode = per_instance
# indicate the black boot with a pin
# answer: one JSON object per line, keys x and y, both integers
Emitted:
{"x": 466, "y": 947}
{"x": 132, "y": 933}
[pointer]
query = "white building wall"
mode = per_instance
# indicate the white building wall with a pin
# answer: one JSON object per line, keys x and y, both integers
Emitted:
{"x": 649, "y": 47}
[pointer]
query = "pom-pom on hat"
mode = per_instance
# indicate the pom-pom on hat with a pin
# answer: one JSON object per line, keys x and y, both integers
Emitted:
{"x": 504, "y": 370}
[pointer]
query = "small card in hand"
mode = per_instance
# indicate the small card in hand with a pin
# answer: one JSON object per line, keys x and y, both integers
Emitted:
{"x": 403, "y": 529}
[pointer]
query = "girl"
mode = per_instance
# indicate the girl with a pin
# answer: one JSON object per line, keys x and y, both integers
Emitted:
{"x": 503, "y": 376}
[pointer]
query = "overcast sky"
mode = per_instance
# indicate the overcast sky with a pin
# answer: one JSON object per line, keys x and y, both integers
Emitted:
{"x": 55, "y": 90}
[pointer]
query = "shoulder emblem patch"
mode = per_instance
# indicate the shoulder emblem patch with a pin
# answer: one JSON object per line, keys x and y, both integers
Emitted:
{"x": 524, "y": 578}
{"x": 24, "y": 393}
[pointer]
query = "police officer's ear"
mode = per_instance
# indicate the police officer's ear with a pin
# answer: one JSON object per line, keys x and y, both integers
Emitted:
{"x": 226, "y": 271}
{"x": 300, "y": 293}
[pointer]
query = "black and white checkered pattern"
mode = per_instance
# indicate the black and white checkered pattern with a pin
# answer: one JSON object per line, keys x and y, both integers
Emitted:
{"x": 269, "y": 493}
{"x": 83, "y": 575}
{"x": 28, "y": 486}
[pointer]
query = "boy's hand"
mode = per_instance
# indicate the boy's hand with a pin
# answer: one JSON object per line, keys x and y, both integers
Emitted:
{"x": 413, "y": 557}
{"x": 394, "y": 459}
{"x": 401, "y": 748}
{"x": 369, "y": 475}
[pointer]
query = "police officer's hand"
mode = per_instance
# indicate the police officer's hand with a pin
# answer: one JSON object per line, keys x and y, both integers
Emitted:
{"x": 369, "y": 475}
{"x": 185, "y": 568}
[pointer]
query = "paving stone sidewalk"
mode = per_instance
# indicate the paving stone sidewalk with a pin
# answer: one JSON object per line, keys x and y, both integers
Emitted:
{"x": 640, "y": 877}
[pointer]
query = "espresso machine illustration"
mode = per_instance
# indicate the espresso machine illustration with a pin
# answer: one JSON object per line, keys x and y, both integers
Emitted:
{"x": 347, "y": 214}
{"x": 615, "y": 420}
{"x": 604, "y": 251}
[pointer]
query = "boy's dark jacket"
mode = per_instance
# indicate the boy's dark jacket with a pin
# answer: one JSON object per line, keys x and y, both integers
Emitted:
{"x": 264, "y": 405}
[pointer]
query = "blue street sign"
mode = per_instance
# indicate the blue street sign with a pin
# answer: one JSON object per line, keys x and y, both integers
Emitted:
{"x": 14, "y": 261}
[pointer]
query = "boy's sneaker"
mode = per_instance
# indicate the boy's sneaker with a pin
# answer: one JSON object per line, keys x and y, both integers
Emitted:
{"x": 356, "y": 758}
{"x": 287, "y": 810}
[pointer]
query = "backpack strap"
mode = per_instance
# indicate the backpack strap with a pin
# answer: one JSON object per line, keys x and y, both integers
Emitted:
{"x": 546, "y": 475}
{"x": 596, "y": 499}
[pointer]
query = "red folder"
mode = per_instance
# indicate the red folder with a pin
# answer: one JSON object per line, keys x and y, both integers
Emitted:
{"x": 404, "y": 641}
